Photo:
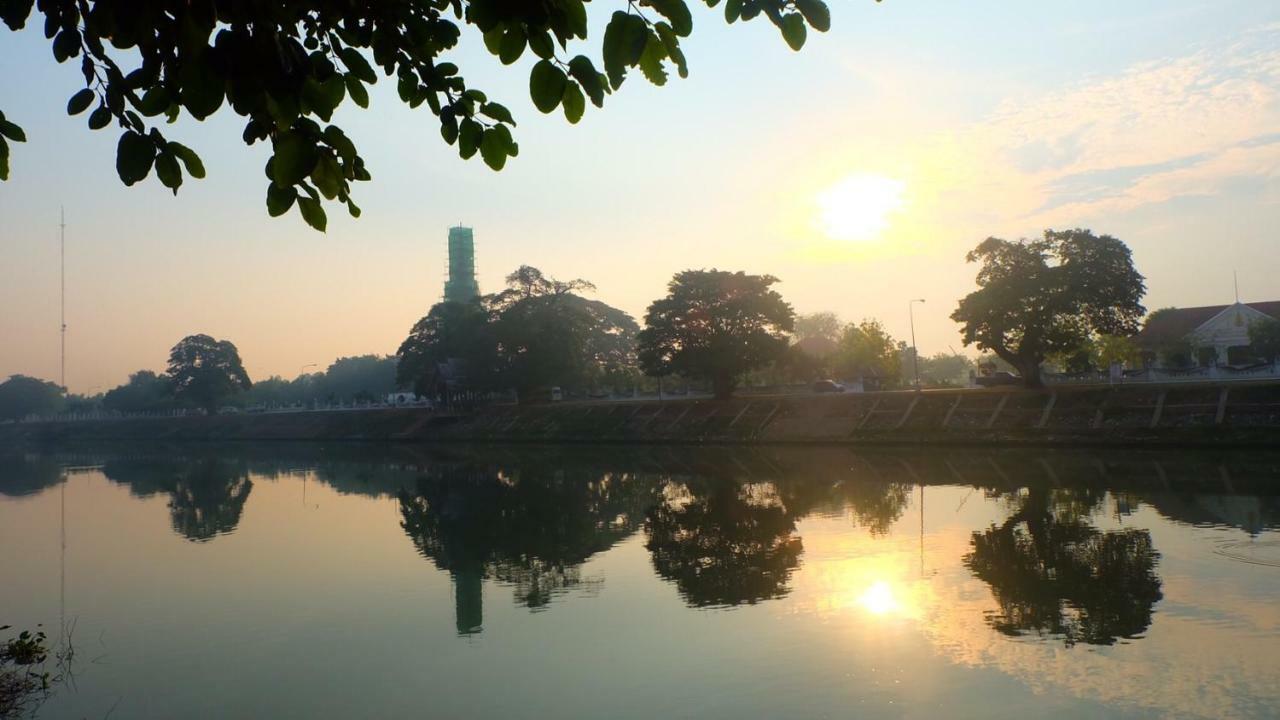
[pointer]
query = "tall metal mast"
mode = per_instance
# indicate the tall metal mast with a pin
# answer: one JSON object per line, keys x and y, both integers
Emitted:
{"x": 62, "y": 273}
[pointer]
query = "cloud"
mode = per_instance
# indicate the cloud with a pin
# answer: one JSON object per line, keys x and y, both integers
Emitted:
{"x": 1197, "y": 125}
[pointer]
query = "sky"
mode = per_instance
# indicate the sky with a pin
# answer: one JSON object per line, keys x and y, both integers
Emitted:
{"x": 859, "y": 171}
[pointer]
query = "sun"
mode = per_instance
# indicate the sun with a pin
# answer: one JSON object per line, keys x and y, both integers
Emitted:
{"x": 858, "y": 207}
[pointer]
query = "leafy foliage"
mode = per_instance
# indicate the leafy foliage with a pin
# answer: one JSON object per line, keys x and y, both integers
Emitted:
{"x": 1264, "y": 336}
{"x": 205, "y": 371}
{"x": 867, "y": 350}
{"x": 1036, "y": 298}
{"x": 536, "y": 333}
{"x": 145, "y": 392}
{"x": 287, "y": 66}
{"x": 21, "y": 396}
{"x": 715, "y": 325}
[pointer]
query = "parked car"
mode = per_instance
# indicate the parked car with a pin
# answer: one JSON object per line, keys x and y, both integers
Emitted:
{"x": 996, "y": 379}
{"x": 828, "y": 386}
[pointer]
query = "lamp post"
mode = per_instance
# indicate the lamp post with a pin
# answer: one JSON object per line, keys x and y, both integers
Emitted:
{"x": 915, "y": 354}
{"x": 302, "y": 371}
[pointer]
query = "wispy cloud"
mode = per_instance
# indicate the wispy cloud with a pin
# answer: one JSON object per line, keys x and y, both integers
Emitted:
{"x": 1181, "y": 126}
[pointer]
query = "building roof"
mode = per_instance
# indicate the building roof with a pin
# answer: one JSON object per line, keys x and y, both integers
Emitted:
{"x": 1177, "y": 323}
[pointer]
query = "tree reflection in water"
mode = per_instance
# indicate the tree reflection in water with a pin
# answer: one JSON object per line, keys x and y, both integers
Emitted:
{"x": 531, "y": 529}
{"x": 207, "y": 495}
{"x": 1052, "y": 573}
{"x": 723, "y": 543}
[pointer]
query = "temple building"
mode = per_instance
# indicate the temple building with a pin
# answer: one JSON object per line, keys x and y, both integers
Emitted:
{"x": 1208, "y": 336}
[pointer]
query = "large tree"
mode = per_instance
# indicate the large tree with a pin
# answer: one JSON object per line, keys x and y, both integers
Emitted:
{"x": 537, "y": 333}
{"x": 867, "y": 350}
{"x": 205, "y": 371}
{"x": 1264, "y": 337}
{"x": 715, "y": 325}
{"x": 21, "y": 396}
{"x": 145, "y": 391}
{"x": 1036, "y": 298}
{"x": 286, "y": 66}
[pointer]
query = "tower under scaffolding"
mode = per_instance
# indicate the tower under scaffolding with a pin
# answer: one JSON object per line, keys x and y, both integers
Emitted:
{"x": 461, "y": 285}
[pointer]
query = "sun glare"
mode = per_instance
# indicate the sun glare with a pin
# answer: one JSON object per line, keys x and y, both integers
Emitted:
{"x": 878, "y": 599}
{"x": 858, "y": 207}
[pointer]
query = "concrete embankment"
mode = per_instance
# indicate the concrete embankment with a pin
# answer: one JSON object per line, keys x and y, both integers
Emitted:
{"x": 1175, "y": 414}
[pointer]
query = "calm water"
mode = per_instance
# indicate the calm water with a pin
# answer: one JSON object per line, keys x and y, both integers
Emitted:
{"x": 341, "y": 582}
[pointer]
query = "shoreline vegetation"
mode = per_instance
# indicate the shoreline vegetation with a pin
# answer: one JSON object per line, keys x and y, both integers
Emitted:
{"x": 1185, "y": 414}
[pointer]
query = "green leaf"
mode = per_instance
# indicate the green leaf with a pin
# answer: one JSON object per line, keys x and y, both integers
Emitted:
{"x": 295, "y": 158}
{"x": 357, "y": 64}
{"x": 495, "y": 146}
{"x": 541, "y": 44}
{"x": 168, "y": 171}
{"x": 80, "y": 102}
{"x": 11, "y": 131}
{"x": 99, "y": 118}
{"x": 339, "y": 141}
{"x": 497, "y": 112}
{"x": 279, "y": 199}
{"x": 190, "y": 160}
{"x": 327, "y": 176}
{"x": 576, "y": 13}
{"x": 546, "y": 85}
{"x": 732, "y": 11}
{"x": 134, "y": 157}
{"x": 313, "y": 213}
{"x": 4, "y": 159}
{"x": 584, "y": 72}
{"x": 574, "y": 102}
{"x": 651, "y": 61}
{"x": 469, "y": 137}
{"x": 793, "y": 30}
{"x": 615, "y": 54}
{"x": 202, "y": 87}
{"x": 493, "y": 39}
{"x": 357, "y": 91}
{"x": 816, "y": 12}
{"x": 512, "y": 46}
{"x": 352, "y": 208}
{"x": 677, "y": 12}
{"x": 672, "y": 45}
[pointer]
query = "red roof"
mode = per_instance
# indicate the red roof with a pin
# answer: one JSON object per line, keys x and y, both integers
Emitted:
{"x": 1177, "y": 323}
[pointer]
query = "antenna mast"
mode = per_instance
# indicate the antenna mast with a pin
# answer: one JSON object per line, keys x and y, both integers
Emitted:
{"x": 62, "y": 275}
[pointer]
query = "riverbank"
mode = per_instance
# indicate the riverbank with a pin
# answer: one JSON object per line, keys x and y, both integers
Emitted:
{"x": 1221, "y": 414}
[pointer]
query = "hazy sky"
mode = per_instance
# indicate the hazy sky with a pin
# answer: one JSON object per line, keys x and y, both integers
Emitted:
{"x": 859, "y": 171}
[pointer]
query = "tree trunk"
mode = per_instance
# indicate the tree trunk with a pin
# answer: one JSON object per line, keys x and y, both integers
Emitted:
{"x": 1030, "y": 371}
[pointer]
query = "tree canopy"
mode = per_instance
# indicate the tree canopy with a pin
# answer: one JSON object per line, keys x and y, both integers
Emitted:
{"x": 286, "y": 66}
{"x": 145, "y": 392}
{"x": 21, "y": 396}
{"x": 205, "y": 371}
{"x": 867, "y": 350}
{"x": 1036, "y": 298}
{"x": 1264, "y": 337}
{"x": 715, "y": 325}
{"x": 537, "y": 333}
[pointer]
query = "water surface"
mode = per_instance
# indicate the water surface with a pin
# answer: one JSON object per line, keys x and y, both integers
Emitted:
{"x": 339, "y": 581}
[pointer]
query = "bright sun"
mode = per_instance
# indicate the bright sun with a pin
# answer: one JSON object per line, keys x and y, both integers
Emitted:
{"x": 858, "y": 207}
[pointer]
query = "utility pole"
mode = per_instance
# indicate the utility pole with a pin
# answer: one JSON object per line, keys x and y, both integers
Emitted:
{"x": 915, "y": 354}
{"x": 62, "y": 276}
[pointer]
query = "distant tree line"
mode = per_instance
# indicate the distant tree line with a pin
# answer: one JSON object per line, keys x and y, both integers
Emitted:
{"x": 1069, "y": 300}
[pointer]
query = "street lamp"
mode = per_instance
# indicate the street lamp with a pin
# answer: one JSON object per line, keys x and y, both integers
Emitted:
{"x": 302, "y": 371}
{"x": 915, "y": 354}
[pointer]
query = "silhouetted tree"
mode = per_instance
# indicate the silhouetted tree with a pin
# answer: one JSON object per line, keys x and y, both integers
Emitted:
{"x": 286, "y": 66}
{"x": 21, "y": 396}
{"x": 145, "y": 391}
{"x": 363, "y": 378}
{"x": 722, "y": 546}
{"x": 1054, "y": 574}
{"x": 207, "y": 495}
{"x": 715, "y": 325}
{"x": 23, "y": 474}
{"x": 450, "y": 331}
{"x": 205, "y": 371}
{"x": 1036, "y": 298}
